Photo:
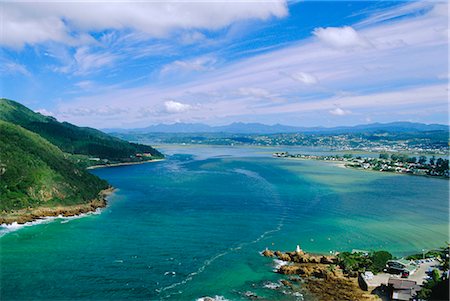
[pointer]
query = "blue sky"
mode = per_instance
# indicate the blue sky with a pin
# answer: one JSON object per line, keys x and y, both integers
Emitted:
{"x": 307, "y": 63}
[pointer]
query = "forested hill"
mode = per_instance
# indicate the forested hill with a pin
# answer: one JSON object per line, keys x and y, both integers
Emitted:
{"x": 73, "y": 139}
{"x": 35, "y": 173}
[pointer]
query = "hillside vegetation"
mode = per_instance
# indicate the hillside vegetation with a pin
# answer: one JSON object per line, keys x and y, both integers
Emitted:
{"x": 72, "y": 139}
{"x": 35, "y": 173}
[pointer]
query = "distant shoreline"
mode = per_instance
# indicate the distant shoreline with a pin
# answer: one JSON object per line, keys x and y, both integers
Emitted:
{"x": 123, "y": 164}
{"x": 23, "y": 216}
{"x": 346, "y": 165}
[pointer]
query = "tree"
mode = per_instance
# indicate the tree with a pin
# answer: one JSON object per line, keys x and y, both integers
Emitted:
{"x": 379, "y": 259}
{"x": 422, "y": 159}
{"x": 432, "y": 159}
{"x": 412, "y": 160}
{"x": 384, "y": 156}
{"x": 435, "y": 275}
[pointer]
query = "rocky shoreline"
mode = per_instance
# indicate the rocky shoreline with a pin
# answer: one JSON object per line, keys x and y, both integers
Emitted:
{"x": 319, "y": 275}
{"x": 23, "y": 216}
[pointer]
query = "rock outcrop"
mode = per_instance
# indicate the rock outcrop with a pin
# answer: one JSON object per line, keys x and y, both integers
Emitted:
{"x": 320, "y": 275}
{"x": 300, "y": 257}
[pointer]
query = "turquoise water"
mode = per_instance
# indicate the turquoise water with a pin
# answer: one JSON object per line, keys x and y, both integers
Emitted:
{"x": 193, "y": 225}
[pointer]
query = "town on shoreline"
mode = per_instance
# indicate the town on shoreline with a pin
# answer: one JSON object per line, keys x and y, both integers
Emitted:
{"x": 396, "y": 163}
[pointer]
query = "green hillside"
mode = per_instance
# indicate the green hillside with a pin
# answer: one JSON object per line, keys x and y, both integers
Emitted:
{"x": 35, "y": 173}
{"x": 72, "y": 139}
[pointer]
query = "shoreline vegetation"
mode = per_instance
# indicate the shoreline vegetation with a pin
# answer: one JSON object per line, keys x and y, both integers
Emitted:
{"x": 396, "y": 163}
{"x": 25, "y": 215}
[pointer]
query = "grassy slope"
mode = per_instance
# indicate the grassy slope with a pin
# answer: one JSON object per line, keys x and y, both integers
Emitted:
{"x": 34, "y": 173}
{"x": 70, "y": 138}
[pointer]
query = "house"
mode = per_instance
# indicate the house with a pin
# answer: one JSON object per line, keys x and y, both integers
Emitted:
{"x": 399, "y": 266}
{"x": 402, "y": 289}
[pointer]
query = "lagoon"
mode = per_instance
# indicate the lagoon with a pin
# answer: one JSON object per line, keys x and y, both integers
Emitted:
{"x": 194, "y": 224}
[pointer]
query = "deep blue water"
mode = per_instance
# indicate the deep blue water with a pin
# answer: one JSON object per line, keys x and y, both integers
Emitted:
{"x": 193, "y": 225}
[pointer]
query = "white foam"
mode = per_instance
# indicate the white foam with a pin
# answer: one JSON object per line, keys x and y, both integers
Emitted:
{"x": 272, "y": 285}
{"x": 170, "y": 273}
{"x": 8, "y": 228}
{"x": 279, "y": 263}
{"x": 215, "y": 298}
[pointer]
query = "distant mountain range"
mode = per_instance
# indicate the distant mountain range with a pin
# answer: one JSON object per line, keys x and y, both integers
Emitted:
{"x": 259, "y": 128}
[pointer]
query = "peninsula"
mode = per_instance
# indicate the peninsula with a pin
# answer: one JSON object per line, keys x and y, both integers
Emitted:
{"x": 43, "y": 165}
{"x": 396, "y": 163}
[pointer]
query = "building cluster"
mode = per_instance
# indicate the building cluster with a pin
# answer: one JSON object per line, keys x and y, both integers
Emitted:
{"x": 403, "y": 279}
{"x": 399, "y": 164}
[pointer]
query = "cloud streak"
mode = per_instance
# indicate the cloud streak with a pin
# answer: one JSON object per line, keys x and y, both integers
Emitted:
{"x": 392, "y": 60}
{"x": 71, "y": 22}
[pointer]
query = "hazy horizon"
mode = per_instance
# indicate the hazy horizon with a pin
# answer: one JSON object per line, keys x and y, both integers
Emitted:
{"x": 266, "y": 124}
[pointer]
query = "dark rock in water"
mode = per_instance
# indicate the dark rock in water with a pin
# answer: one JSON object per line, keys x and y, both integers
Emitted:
{"x": 268, "y": 253}
{"x": 286, "y": 283}
{"x": 295, "y": 279}
{"x": 283, "y": 256}
{"x": 251, "y": 295}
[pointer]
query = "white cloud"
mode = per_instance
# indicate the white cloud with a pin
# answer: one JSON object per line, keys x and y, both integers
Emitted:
{"x": 69, "y": 22}
{"x": 303, "y": 77}
{"x": 376, "y": 79}
{"x": 10, "y": 67}
{"x": 341, "y": 37}
{"x": 44, "y": 112}
{"x": 192, "y": 37}
{"x": 176, "y": 107}
{"x": 339, "y": 112}
{"x": 254, "y": 92}
{"x": 85, "y": 84}
{"x": 86, "y": 61}
{"x": 198, "y": 64}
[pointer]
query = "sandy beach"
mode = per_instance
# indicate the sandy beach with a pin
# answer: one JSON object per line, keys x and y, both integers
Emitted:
{"x": 123, "y": 164}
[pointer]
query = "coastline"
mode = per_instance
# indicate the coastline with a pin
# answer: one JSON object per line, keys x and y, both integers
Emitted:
{"x": 123, "y": 164}
{"x": 317, "y": 275}
{"x": 24, "y": 216}
{"x": 30, "y": 215}
{"x": 343, "y": 164}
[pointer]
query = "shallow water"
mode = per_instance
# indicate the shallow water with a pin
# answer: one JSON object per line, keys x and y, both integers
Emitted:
{"x": 193, "y": 225}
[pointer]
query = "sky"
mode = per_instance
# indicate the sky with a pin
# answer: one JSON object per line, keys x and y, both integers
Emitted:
{"x": 121, "y": 64}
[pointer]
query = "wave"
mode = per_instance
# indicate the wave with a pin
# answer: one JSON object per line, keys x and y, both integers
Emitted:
{"x": 279, "y": 263}
{"x": 215, "y": 298}
{"x": 272, "y": 285}
{"x": 8, "y": 228}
